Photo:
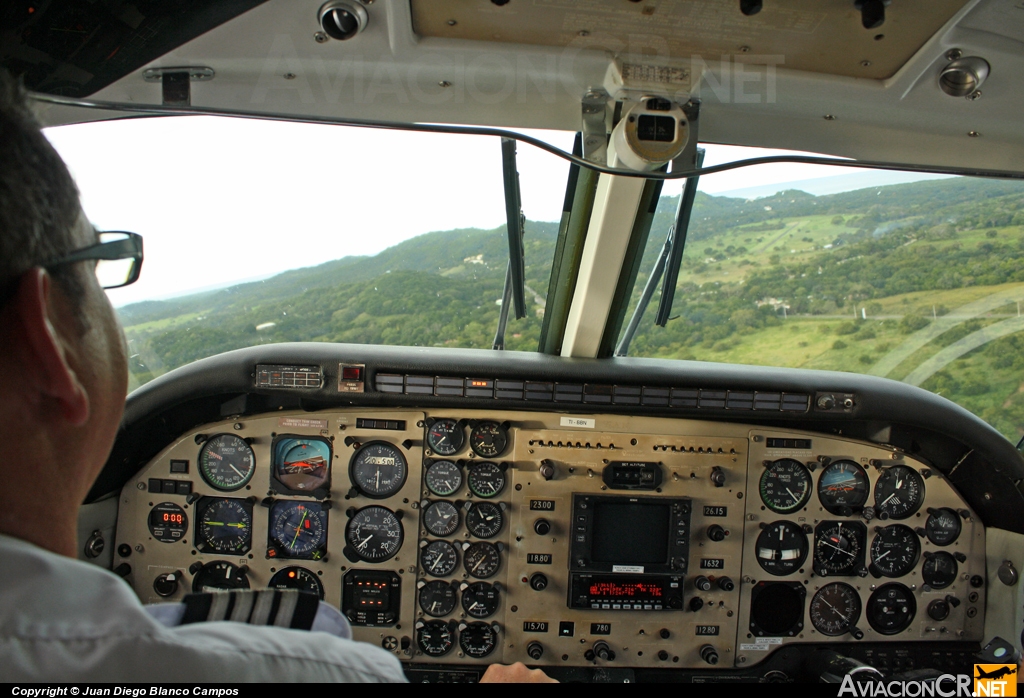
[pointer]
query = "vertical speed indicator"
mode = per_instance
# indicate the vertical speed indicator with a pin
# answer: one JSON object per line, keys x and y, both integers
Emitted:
{"x": 374, "y": 534}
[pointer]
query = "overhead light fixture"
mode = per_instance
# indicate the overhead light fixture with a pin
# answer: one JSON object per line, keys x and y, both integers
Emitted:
{"x": 964, "y": 76}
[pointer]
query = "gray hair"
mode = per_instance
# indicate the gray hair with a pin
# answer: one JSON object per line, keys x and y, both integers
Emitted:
{"x": 39, "y": 205}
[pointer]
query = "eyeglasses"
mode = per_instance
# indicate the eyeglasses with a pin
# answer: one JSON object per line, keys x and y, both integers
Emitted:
{"x": 118, "y": 258}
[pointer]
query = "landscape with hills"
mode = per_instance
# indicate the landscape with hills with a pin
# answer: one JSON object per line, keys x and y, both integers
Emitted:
{"x": 920, "y": 282}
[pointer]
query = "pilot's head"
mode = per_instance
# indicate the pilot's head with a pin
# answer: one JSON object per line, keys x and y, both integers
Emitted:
{"x": 63, "y": 371}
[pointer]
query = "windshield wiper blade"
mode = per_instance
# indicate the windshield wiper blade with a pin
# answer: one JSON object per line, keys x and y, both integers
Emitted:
{"x": 506, "y": 298}
{"x": 515, "y": 273}
{"x": 671, "y": 254}
{"x": 515, "y": 222}
{"x": 678, "y": 234}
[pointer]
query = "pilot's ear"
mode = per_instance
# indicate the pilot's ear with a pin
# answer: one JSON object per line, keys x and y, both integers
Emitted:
{"x": 41, "y": 351}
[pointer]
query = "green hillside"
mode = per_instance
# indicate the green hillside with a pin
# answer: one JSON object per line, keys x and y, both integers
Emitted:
{"x": 917, "y": 282}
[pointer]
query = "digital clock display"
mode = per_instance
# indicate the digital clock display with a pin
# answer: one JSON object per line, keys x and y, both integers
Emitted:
{"x": 168, "y": 522}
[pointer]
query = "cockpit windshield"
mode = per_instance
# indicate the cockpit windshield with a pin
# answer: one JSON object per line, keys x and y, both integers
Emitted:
{"x": 259, "y": 232}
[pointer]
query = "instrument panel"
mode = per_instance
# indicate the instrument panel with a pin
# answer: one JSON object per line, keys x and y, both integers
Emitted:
{"x": 562, "y": 540}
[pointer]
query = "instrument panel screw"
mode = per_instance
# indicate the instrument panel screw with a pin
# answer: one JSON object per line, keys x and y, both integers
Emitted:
{"x": 830, "y": 117}
{"x": 741, "y": 659}
{"x": 452, "y": 22}
{"x": 139, "y": 548}
{"x": 444, "y": 83}
{"x": 973, "y": 134}
{"x": 238, "y": 426}
{"x": 865, "y": 64}
{"x": 320, "y": 38}
{"x": 141, "y": 486}
{"x": 584, "y": 32}
{"x": 954, "y": 54}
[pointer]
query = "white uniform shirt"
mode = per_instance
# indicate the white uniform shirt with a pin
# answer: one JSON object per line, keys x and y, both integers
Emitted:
{"x": 66, "y": 620}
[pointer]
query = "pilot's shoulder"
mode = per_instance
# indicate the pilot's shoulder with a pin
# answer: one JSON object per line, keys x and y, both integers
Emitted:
{"x": 67, "y": 620}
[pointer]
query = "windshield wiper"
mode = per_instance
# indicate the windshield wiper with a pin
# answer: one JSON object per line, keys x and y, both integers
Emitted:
{"x": 515, "y": 273}
{"x": 672, "y": 257}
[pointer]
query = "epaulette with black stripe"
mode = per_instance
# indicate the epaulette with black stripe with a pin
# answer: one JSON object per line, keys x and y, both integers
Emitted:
{"x": 282, "y": 608}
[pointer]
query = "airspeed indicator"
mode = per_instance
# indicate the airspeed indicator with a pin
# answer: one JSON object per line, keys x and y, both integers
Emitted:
{"x": 785, "y": 485}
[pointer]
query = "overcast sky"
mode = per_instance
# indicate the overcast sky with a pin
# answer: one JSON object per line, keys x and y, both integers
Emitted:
{"x": 221, "y": 200}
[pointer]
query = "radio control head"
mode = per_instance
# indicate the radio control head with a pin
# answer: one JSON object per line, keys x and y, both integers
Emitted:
{"x": 538, "y": 582}
{"x": 726, "y": 584}
{"x": 717, "y": 477}
{"x": 603, "y": 651}
{"x": 535, "y": 650}
{"x": 702, "y": 583}
{"x": 542, "y": 527}
{"x": 696, "y": 603}
{"x": 709, "y": 654}
{"x": 716, "y": 533}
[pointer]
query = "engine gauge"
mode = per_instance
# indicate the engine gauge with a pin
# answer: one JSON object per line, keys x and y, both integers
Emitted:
{"x": 899, "y": 492}
{"x": 219, "y": 576}
{"x": 843, "y": 487}
{"x": 488, "y": 439}
{"x": 297, "y": 578}
{"x": 486, "y": 479}
{"x": 302, "y": 464}
{"x": 226, "y": 462}
{"x": 374, "y": 533}
{"x": 378, "y": 469}
{"x": 781, "y": 548}
{"x": 481, "y": 560}
{"x": 891, "y": 609}
{"x": 223, "y": 525}
{"x": 835, "y": 609}
{"x": 839, "y": 547}
{"x": 939, "y": 570}
{"x": 443, "y": 478}
{"x": 942, "y": 526}
{"x": 894, "y": 551}
{"x": 168, "y": 522}
{"x": 785, "y": 486}
{"x": 297, "y": 530}
{"x": 439, "y": 558}
{"x": 437, "y": 598}
{"x": 445, "y": 437}
{"x": 484, "y": 519}
{"x": 441, "y": 518}
{"x": 480, "y": 599}
{"x": 435, "y": 638}
{"x": 477, "y": 639}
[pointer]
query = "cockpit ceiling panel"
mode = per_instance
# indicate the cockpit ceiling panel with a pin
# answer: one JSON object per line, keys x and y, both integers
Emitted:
{"x": 820, "y": 36}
